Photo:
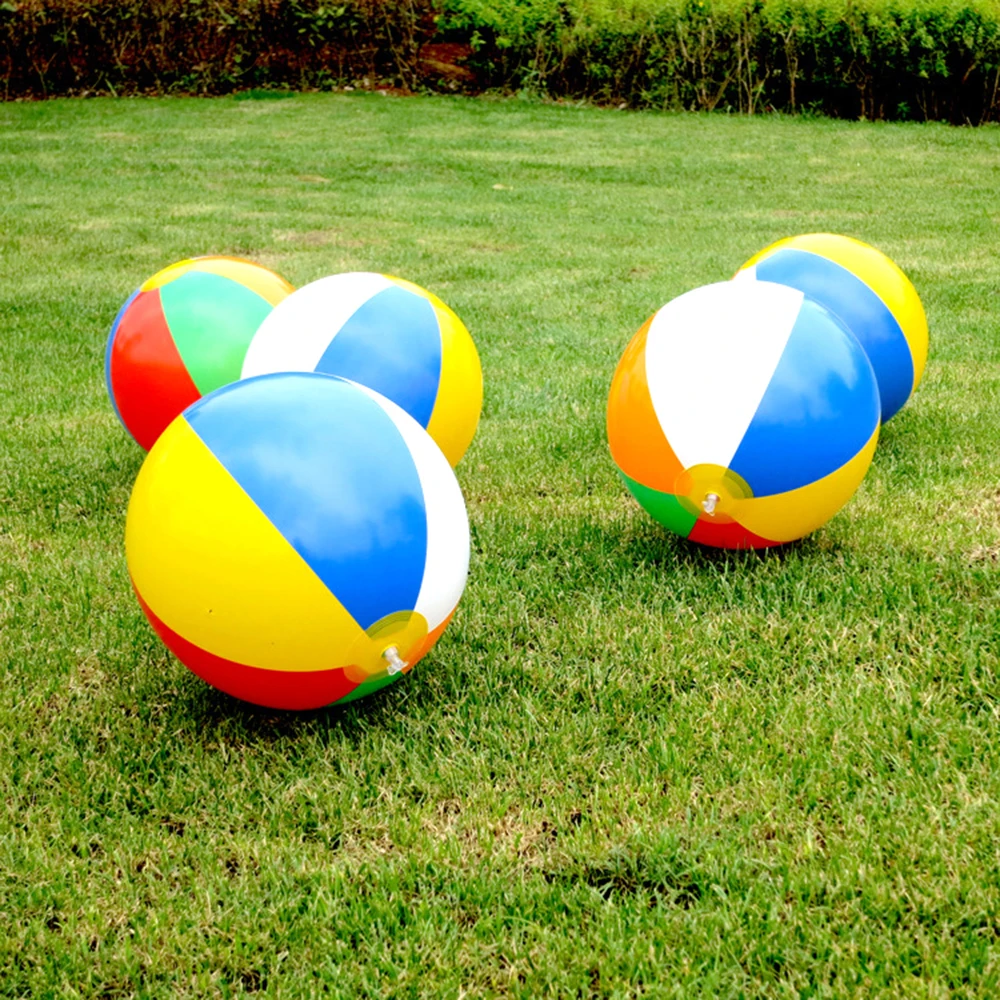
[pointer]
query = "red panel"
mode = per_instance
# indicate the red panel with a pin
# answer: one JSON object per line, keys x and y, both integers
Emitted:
{"x": 151, "y": 386}
{"x": 272, "y": 688}
{"x": 727, "y": 536}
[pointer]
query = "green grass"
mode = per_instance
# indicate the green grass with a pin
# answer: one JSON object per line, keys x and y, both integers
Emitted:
{"x": 632, "y": 767}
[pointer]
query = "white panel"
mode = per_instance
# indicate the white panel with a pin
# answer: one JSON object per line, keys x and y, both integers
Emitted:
{"x": 297, "y": 332}
{"x": 747, "y": 274}
{"x": 447, "y": 564}
{"x": 710, "y": 355}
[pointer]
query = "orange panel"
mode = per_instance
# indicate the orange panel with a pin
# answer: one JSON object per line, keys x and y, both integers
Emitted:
{"x": 637, "y": 442}
{"x": 425, "y": 644}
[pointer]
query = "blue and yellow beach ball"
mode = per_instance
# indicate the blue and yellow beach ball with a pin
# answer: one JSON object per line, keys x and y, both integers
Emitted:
{"x": 297, "y": 540}
{"x": 743, "y": 415}
{"x": 871, "y": 296}
{"x": 388, "y": 334}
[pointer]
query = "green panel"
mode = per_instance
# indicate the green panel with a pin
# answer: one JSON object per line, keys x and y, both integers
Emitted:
{"x": 662, "y": 507}
{"x": 212, "y": 320}
{"x": 369, "y": 687}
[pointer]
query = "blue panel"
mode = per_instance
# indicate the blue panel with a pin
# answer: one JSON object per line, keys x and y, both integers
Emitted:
{"x": 819, "y": 410}
{"x": 107, "y": 355}
{"x": 392, "y": 344}
{"x": 329, "y": 469}
{"x": 860, "y": 309}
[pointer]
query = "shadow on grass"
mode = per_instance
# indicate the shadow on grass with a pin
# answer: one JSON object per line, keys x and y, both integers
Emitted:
{"x": 546, "y": 571}
{"x": 212, "y": 717}
{"x": 595, "y": 548}
{"x": 650, "y": 543}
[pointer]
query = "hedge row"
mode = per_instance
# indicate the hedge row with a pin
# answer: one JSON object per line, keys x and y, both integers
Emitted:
{"x": 50, "y": 47}
{"x": 924, "y": 59}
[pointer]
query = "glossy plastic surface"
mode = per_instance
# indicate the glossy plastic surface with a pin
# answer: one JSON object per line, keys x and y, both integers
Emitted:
{"x": 743, "y": 415}
{"x": 182, "y": 334}
{"x": 296, "y": 524}
{"x": 385, "y": 333}
{"x": 867, "y": 292}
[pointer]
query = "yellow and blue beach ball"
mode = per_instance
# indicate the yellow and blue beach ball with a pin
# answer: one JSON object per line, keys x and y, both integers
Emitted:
{"x": 743, "y": 415}
{"x": 297, "y": 540}
{"x": 388, "y": 334}
{"x": 867, "y": 292}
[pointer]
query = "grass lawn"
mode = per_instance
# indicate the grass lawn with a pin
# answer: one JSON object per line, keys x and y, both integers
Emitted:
{"x": 632, "y": 767}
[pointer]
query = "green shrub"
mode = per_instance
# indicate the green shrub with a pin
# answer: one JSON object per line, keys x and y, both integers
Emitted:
{"x": 926, "y": 59}
{"x": 202, "y": 46}
{"x": 853, "y": 58}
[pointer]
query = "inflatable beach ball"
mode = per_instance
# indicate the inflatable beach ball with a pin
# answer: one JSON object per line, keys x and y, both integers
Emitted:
{"x": 182, "y": 334}
{"x": 867, "y": 292}
{"x": 387, "y": 334}
{"x": 297, "y": 540}
{"x": 743, "y": 415}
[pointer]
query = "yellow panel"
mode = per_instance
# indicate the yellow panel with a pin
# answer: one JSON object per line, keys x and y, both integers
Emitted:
{"x": 459, "y": 401}
{"x": 406, "y": 630}
{"x": 168, "y": 274}
{"x": 214, "y": 569}
{"x": 879, "y": 273}
{"x": 269, "y": 286}
{"x": 784, "y": 517}
{"x": 695, "y": 485}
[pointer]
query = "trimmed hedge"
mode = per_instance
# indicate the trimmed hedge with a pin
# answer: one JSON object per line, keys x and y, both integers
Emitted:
{"x": 922, "y": 59}
{"x": 50, "y": 47}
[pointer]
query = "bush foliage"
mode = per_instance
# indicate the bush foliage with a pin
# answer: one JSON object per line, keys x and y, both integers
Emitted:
{"x": 925, "y": 59}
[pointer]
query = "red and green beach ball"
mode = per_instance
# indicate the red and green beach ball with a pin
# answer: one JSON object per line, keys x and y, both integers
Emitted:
{"x": 183, "y": 334}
